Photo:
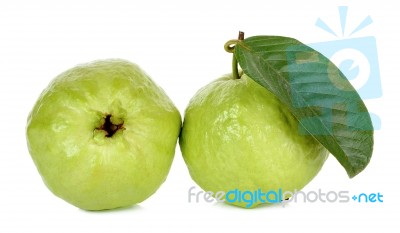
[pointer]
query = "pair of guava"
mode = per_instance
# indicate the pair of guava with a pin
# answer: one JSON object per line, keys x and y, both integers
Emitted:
{"x": 103, "y": 136}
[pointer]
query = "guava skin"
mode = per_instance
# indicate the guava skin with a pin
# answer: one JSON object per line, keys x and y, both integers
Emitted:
{"x": 77, "y": 158}
{"x": 238, "y": 135}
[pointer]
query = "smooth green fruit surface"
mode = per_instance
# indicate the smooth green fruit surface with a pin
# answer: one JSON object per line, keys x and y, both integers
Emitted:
{"x": 103, "y": 135}
{"x": 238, "y": 135}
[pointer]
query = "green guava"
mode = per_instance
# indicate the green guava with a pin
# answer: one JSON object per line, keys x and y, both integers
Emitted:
{"x": 237, "y": 135}
{"x": 103, "y": 135}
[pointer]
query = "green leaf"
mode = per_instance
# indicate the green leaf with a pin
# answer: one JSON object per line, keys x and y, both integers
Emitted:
{"x": 316, "y": 92}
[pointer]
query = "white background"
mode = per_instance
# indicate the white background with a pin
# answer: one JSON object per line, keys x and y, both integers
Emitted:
{"x": 180, "y": 44}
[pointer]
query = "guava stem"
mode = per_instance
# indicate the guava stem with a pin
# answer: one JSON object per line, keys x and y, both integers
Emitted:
{"x": 230, "y": 48}
{"x": 235, "y": 70}
{"x": 241, "y": 35}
